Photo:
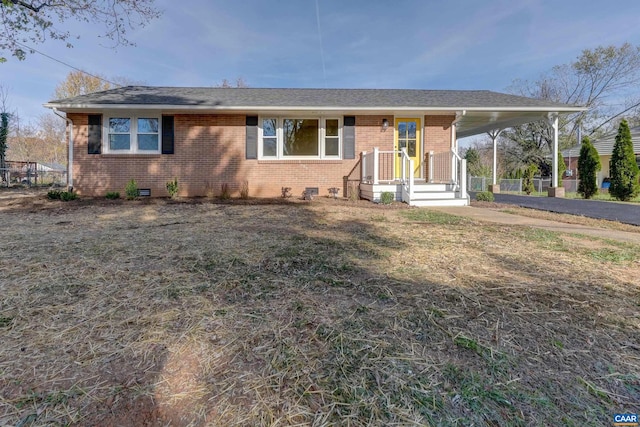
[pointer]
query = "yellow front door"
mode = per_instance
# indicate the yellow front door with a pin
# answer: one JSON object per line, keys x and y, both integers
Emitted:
{"x": 407, "y": 135}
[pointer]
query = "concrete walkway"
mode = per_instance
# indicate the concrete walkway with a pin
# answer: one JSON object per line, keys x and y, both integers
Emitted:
{"x": 490, "y": 215}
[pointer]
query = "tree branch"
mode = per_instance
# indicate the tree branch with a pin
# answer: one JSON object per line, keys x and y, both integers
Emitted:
{"x": 26, "y": 5}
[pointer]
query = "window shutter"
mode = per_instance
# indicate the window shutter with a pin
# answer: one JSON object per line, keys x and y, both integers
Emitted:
{"x": 167, "y": 135}
{"x": 95, "y": 134}
{"x": 349, "y": 138}
{"x": 252, "y": 137}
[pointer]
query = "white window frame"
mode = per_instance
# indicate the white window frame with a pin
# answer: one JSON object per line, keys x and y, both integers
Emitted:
{"x": 133, "y": 132}
{"x": 322, "y": 130}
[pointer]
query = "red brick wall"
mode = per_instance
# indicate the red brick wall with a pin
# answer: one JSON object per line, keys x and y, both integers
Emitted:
{"x": 571, "y": 163}
{"x": 437, "y": 133}
{"x": 210, "y": 151}
{"x": 207, "y": 154}
{"x": 437, "y": 138}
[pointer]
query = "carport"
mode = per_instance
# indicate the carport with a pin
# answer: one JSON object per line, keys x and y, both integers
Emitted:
{"x": 494, "y": 121}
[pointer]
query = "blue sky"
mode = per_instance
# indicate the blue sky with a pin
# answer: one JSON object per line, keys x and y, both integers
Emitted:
{"x": 428, "y": 44}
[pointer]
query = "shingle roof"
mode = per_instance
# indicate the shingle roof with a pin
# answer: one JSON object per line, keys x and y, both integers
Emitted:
{"x": 604, "y": 145}
{"x": 235, "y": 98}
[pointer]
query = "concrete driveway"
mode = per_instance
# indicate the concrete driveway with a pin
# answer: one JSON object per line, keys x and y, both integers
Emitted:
{"x": 494, "y": 216}
{"x": 627, "y": 213}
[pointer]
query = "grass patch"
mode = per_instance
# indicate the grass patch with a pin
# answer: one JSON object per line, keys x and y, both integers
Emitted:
{"x": 309, "y": 314}
{"x": 550, "y": 240}
{"x": 473, "y": 345}
{"x": 595, "y": 391}
{"x": 618, "y": 252}
{"x": 433, "y": 217}
{"x": 605, "y": 197}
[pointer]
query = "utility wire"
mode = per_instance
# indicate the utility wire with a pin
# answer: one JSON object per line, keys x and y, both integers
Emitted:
{"x": 611, "y": 118}
{"x": 324, "y": 70}
{"x": 66, "y": 64}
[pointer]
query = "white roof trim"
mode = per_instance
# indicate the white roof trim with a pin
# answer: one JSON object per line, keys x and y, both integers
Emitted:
{"x": 78, "y": 107}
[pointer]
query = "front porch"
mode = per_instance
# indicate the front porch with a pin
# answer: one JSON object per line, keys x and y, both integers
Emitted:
{"x": 440, "y": 180}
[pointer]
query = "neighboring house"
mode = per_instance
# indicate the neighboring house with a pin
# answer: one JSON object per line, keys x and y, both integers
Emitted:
{"x": 51, "y": 172}
{"x": 51, "y": 167}
{"x": 604, "y": 146}
{"x": 364, "y": 140}
{"x": 24, "y": 172}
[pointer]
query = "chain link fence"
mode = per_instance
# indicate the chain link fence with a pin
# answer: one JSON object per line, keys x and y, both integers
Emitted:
{"x": 10, "y": 177}
{"x": 541, "y": 185}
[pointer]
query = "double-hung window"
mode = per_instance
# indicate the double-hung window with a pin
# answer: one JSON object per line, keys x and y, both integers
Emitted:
{"x": 300, "y": 138}
{"x": 133, "y": 134}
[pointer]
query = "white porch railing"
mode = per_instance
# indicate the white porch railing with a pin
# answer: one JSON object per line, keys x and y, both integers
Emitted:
{"x": 461, "y": 177}
{"x": 379, "y": 166}
{"x": 445, "y": 167}
{"x": 407, "y": 177}
{"x": 369, "y": 167}
{"x": 442, "y": 167}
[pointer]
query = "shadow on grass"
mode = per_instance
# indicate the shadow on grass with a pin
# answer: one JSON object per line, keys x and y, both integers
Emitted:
{"x": 232, "y": 314}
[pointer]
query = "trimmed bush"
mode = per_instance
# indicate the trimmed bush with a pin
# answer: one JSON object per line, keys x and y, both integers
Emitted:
{"x": 131, "y": 190}
{"x": 527, "y": 180}
{"x": 112, "y": 195}
{"x": 66, "y": 196}
{"x": 562, "y": 167}
{"x": 588, "y": 167}
{"x": 172, "y": 188}
{"x": 244, "y": 190}
{"x": 54, "y": 194}
{"x": 387, "y": 197}
{"x": 485, "y": 196}
{"x": 225, "y": 193}
{"x": 623, "y": 168}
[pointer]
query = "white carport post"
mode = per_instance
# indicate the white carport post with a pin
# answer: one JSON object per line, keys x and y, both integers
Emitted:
{"x": 554, "y": 172}
{"x": 554, "y": 190}
{"x": 454, "y": 149}
{"x": 494, "y": 134}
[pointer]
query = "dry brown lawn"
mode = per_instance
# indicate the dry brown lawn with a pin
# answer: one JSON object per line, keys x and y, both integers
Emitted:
{"x": 293, "y": 313}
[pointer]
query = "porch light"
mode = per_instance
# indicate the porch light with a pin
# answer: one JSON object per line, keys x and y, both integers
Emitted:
{"x": 385, "y": 124}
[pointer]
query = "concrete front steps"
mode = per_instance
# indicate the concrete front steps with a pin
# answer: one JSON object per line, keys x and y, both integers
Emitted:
{"x": 424, "y": 194}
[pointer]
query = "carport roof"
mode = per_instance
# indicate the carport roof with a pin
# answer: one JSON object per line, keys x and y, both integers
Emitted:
{"x": 478, "y": 111}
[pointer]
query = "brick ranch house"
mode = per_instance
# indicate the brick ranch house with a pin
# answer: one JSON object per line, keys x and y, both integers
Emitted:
{"x": 365, "y": 140}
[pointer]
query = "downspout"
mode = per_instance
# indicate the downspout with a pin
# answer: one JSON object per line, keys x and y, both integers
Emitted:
{"x": 70, "y": 161}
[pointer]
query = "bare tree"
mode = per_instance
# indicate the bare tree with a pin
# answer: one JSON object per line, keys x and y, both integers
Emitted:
{"x": 34, "y": 21}
{"x": 120, "y": 81}
{"x": 42, "y": 141}
{"x": 239, "y": 83}
{"x": 80, "y": 83}
{"x": 598, "y": 79}
{"x": 51, "y": 131}
{"x": 23, "y": 141}
{"x": 4, "y": 130}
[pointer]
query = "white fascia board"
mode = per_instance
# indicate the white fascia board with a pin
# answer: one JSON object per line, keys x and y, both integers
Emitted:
{"x": 80, "y": 107}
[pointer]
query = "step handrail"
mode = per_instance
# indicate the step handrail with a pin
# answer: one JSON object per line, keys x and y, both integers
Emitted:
{"x": 407, "y": 176}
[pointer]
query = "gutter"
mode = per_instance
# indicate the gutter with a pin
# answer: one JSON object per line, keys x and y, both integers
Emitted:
{"x": 70, "y": 161}
{"x": 315, "y": 108}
